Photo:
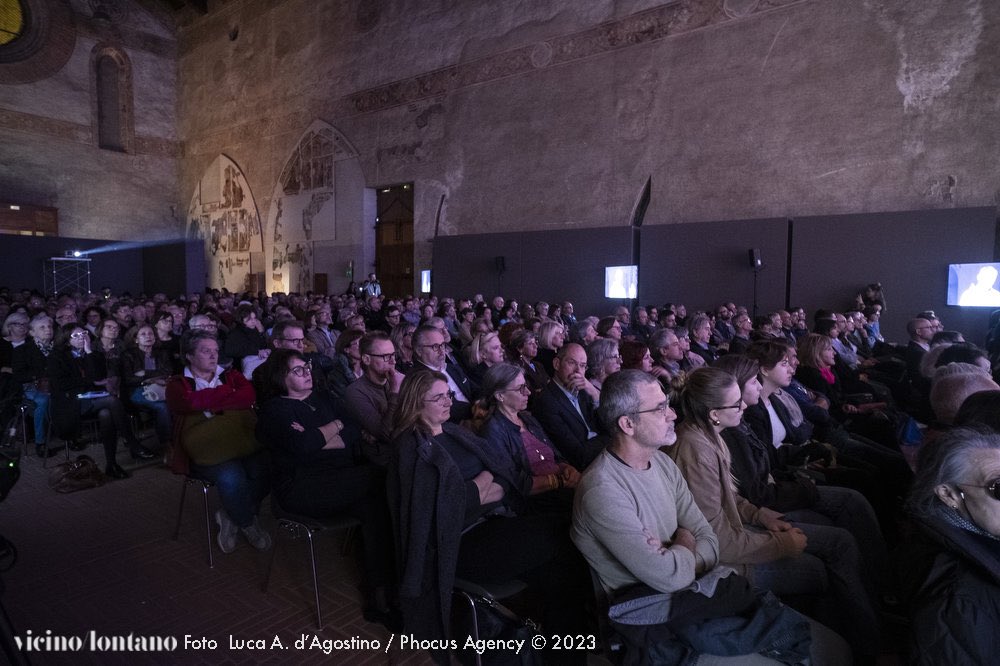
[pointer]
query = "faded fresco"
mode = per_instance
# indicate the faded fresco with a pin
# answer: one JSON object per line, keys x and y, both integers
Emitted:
{"x": 224, "y": 216}
{"x": 303, "y": 210}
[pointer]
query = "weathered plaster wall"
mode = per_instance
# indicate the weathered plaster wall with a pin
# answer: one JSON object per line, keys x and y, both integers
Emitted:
{"x": 48, "y": 148}
{"x": 552, "y": 114}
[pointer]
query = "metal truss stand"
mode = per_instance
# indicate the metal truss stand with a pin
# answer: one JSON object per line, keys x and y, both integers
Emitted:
{"x": 66, "y": 274}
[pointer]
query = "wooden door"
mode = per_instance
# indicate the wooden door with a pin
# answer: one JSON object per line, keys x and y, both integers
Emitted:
{"x": 394, "y": 240}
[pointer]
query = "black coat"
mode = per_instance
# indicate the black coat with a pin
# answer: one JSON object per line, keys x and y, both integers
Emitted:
{"x": 563, "y": 424}
{"x": 955, "y": 577}
{"x": 68, "y": 377}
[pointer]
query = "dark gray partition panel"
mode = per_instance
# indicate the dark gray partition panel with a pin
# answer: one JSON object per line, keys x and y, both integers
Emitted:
{"x": 174, "y": 268}
{"x": 22, "y": 257}
{"x": 540, "y": 265}
{"x": 908, "y": 252}
{"x": 699, "y": 264}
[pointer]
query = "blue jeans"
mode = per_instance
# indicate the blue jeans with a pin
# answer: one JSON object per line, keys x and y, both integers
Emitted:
{"x": 160, "y": 411}
{"x": 242, "y": 483}
{"x": 41, "y": 401}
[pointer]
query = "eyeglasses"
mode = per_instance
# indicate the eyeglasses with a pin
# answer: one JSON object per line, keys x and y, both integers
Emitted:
{"x": 301, "y": 370}
{"x": 568, "y": 362}
{"x": 384, "y": 357}
{"x": 521, "y": 388}
{"x": 738, "y": 406}
{"x": 78, "y": 335}
{"x": 435, "y": 348}
{"x": 298, "y": 342}
{"x": 993, "y": 489}
{"x": 441, "y": 397}
{"x": 659, "y": 409}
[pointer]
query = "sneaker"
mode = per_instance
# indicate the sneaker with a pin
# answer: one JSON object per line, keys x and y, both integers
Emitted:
{"x": 227, "y": 532}
{"x": 257, "y": 537}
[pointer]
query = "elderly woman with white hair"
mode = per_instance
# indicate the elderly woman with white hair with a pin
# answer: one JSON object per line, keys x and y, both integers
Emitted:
{"x": 953, "y": 562}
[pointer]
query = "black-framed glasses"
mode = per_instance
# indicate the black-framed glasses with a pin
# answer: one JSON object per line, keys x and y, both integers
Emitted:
{"x": 520, "y": 388}
{"x": 435, "y": 348}
{"x": 301, "y": 370}
{"x": 391, "y": 356}
{"x": 738, "y": 406}
{"x": 992, "y": 489}
{"x": 298, "y": 342}
{"x": 441, "y": 397}
{"x": 660, "y": 409}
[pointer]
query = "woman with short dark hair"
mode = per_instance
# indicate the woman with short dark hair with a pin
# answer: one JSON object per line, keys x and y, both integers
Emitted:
{"x": 318, "y": 470}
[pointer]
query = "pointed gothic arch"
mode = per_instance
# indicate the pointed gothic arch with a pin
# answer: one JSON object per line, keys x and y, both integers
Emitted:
{"x": 315, "y": 222}
{"x": 223, "y": 214}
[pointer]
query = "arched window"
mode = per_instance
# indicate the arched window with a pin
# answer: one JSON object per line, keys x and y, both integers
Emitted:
{"x": 112, "y": 98}
{"x": 12, "y": 20}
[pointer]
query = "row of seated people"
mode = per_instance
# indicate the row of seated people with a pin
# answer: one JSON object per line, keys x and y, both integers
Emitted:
{"x": 571, "y": 368}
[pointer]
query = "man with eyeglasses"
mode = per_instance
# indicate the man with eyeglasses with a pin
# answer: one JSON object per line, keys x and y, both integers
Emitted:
{"x": 374, "y": 397}
{"x": 430, "y": 347}
{"x": 567, "y": 407}
{"x": 634, "y": 519}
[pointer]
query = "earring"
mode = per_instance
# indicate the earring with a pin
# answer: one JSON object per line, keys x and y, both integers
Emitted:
{"x": 716, "y": 422}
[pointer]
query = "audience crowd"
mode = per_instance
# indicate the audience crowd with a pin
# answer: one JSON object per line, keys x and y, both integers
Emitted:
{"x": 821, "y": 482}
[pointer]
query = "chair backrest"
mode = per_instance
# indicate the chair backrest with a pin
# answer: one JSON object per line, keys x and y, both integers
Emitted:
{"x": 612, "y": 644}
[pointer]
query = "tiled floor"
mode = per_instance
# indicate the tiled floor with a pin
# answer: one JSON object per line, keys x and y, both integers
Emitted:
{"x": 103, "y": 560}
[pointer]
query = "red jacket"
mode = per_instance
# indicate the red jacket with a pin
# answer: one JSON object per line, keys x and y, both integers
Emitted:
{"x": 182, "y": 399}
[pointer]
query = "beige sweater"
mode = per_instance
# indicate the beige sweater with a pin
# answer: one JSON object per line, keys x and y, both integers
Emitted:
{"x": 704, "y": 461}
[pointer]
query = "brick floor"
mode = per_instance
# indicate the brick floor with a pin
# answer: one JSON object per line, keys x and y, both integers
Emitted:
{"x": 103, "y": 560}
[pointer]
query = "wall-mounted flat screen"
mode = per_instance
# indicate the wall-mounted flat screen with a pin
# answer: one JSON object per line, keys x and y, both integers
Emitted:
{"x": 974, "y": 285}
{"x": 621, "y": 281}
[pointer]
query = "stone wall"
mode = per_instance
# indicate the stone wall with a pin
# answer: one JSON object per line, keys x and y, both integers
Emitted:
{"x": 530, "y": 115}
{"x": 48, "y": 144}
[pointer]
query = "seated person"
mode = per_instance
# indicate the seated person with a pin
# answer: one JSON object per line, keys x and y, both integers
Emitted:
{"x": 75, "y": 369}
{"x": 29, "y": 365}
{"x": 700, "y": 332}
{"x": 667, "y": 354}
{"x": 635, "y": 521}
{"x": 145, "y": 369}
{"x": 567, "y": 408}
{"x": 953, "y": 559}
{"x": 372, "y": 399}
{"x": 952, "y": 384}
{"x": 512, "y": 430}
{"x": 523, "y": 350}
{"x": 402, "y": 340}
{"x": 609, "y": 328}
{"x": 471, "y": 517}
{"x": 316, "y": 471}
{"x": 484, "y": 352}
{"x": 347, "y": 363}
{"x": 755, "y": 467}
{"x": 603, "y": 360}
{"x": 757, "y": 541}
{"x": 213, "y": 412}
{"x": 430, "y": 349}
{"x": 742, "y": 327}
{"x": 246, "y": 343}
{"x": 551, "y": 336}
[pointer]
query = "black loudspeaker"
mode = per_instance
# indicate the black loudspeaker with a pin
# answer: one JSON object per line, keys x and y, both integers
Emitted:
{"x": 754, "y": 256}
{"x": 501, "y": 264}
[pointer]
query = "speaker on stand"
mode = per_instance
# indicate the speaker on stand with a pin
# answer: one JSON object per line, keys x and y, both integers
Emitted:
{"x": 756, "y": 265}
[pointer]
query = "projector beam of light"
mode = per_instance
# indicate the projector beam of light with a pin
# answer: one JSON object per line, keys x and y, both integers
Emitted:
{"x": 130, "y": 245}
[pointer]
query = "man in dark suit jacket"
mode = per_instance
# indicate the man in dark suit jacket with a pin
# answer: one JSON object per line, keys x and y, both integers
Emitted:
{"x": 429, "y": 348}
{"x": 566, "y": 408}
{"x": 921, "y": 331}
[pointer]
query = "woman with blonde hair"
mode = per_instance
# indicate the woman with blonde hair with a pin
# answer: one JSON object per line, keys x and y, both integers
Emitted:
{"x": 551, "y": 336}
{"x": 485, "y": 352}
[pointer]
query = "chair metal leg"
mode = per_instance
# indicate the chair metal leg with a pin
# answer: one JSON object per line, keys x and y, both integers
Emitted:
{"x": 24, "y": 429}
{"x": 180, "y": 511}
{"x": 208, "y": 526}
{"x": 475, "y": 620}
{"x": 312, "y": 563}
{"x": 270, "y": 562}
